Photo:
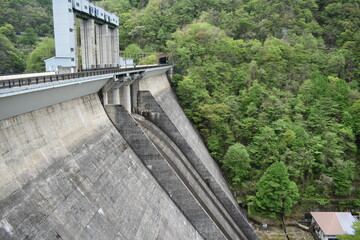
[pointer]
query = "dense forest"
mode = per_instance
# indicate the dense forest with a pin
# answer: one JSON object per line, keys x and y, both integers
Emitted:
{"x": 272, "y": 86}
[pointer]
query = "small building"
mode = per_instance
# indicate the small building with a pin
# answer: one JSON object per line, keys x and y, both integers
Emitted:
{"x": 58, "y": 64}
{"x": 124, "y": 62}
{"x": 328, "y": 225}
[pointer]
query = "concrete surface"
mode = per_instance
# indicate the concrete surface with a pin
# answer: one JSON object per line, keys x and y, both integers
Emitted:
{"x": 162, "y": 108}
{"x": 66, "y": 173}
{"x": 162, "y": 171}
{"x": 176, "y": 175}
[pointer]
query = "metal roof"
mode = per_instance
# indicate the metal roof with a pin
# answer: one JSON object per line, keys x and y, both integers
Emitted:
{"x": 335, "y": 223}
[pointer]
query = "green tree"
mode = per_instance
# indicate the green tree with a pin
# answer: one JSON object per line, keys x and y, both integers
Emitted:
{"x": 355, "y": 112}
{"x": 44, "y": 50}
{"x": 29, "y": 37}
{"x": 9, "y": 31}
{"x": 276, "y": 194}
{"x": 264, "y": 149}
{"x": 133, "y": 51}
{"x": 343, "y": 174}
{"x": 150, "y": 59}
{"x": 10, "y": 58}
{"x": 236, "y": 163}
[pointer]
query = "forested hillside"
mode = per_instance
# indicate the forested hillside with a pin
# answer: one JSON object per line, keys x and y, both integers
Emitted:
{"x": 271, "y": 85}
{"x": 23, "y": 23}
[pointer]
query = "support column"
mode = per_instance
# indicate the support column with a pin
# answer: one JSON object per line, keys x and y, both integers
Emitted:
{"x": 106, "y": 98}
{"x": 125, "y": 97}
{"x": 103, "y": 43}
{"x": 108, "y": 47}
{"x": 115, "y": 53}
{"x": 134, "y": 88}
{"x": 87, "y": 33}
{"x": 116, "y": 96}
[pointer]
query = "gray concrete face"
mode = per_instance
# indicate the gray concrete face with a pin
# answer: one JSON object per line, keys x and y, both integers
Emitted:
{"x": 66, "y": 173}
{"x": 103, "y": 45}
{"x": 116, "y": 96}
{"x": 19, "y": 100}
{"x": 125, "y": 98}
{"x": 115, "y": 53}
{"x": 163, "y": 109}
{"x": 87, "y": 33}
{"x": 175, "y": 175}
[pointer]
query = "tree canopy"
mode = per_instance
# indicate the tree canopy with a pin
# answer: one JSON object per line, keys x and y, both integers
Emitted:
{"x": 44, "y": 50}
{"x": 10, "y": 58}
{"x": 237, "y": 163}
{"x": 276, "y": 194}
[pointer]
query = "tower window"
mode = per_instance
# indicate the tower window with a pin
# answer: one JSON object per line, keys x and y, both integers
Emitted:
{"x": 69, "y": 9}
{"x": 72, "y": 59}
{"x": 71, "y": 49}
{"x": 71, "y": 30}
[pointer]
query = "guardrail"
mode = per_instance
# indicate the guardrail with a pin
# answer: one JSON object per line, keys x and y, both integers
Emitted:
{"x": 61, "y": 77}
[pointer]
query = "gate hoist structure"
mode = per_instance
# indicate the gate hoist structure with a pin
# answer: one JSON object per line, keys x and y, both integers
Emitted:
{"x": 99, "y": 37}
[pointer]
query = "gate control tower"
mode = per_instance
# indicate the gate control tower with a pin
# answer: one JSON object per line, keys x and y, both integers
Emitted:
{"x": 99, "y": 37}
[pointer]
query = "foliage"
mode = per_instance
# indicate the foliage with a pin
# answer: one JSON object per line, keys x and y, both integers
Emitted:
{"x": 237, "y": 163}
{"x": 29, "y": 37}
{"x": 22, "y": 21}
{"x": 355, "y": 114}
{"x": 150, "y": 59}
{"x": 133, "y": 51}
{"x": 279, "y": 98}
{"x": 9, "y": 31}
{"x": 343, "y": 174}
{"x": 44, "y": 50}
{"x": 352, "y": 237}
{"x": 23, "y": 14}
{"x": 276, "y": 194}
{"x": 10, "y": 58}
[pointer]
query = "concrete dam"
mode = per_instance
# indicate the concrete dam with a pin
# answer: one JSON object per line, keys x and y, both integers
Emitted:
{"x": 118, "y": 160}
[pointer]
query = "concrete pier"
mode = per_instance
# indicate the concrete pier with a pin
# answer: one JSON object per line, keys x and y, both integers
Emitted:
{"x": 114, "y": 51}
{"x": 125, "y": 97}
{"x": 87, "y": 33}
{"x": 103, "y": 48}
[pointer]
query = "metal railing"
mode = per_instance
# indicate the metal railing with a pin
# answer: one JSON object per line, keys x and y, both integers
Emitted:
{"x": 66, "y": 76}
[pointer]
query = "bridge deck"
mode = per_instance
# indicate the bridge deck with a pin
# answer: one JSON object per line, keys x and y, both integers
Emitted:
{"x": 18, "y": 96}
{"x": 36, "y": 78}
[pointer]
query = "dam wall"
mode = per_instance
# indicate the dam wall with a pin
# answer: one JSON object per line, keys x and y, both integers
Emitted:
{"x": 159, "y": 104}
{"x": 175, "y": 174}
{"x": 109, "y": 157}
{"x": 67, "y": 173}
